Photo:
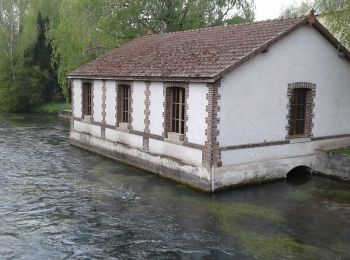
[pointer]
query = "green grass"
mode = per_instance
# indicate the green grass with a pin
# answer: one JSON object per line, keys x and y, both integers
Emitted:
{"x": 342, "y": 151}
{"x": 52, "y": 108}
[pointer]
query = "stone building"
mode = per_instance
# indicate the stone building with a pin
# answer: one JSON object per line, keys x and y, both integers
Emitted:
{"x": 220, "y": 106}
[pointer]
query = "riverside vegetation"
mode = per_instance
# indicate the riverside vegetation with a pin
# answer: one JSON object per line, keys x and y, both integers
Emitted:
{"x": 42, "y": 41}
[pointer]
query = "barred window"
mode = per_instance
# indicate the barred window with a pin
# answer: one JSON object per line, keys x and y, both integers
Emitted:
{"x": 125, "y": 91}
{"x": 87, "y": 99}
{"x": 298, "y": 111}
{"x": 177, "y": 110}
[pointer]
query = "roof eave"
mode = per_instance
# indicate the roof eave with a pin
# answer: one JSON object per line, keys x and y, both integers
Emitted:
{"x": 144, "y": 78}
{"x": 331, "y": 38}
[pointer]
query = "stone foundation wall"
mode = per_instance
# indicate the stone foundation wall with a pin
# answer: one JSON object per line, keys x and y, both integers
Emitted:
{"x": 171, "y": 168}
{"x": 329, "y": 164}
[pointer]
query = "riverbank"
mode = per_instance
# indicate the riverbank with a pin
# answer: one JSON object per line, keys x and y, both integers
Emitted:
{"x": 53, "y": 108}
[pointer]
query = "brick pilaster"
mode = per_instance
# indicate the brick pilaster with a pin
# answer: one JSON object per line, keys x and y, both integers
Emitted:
{"x": 103, "y": 126}
{"x": 211, "y": 153}
{"x": 147, "y": 119}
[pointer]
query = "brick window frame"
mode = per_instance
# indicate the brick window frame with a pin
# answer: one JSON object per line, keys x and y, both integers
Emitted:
{"x": 167, "y": 106}
{"x": 123, "y": 121}
{"x": 87, "y": 100}
{"x": 309, "y": 107}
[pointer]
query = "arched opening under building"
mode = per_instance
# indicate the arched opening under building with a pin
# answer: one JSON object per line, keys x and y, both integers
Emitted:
{"x": 299, "y": 175}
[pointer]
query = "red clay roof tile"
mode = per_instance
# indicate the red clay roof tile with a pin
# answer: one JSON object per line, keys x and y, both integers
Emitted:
{"x": 203, "y": 53}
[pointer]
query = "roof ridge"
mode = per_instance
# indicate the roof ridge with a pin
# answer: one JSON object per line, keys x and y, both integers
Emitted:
{"x": 224, "y": 26}
{"x": 154, "y": 58}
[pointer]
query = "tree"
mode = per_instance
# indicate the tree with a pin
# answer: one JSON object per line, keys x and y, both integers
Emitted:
{"x": 9, "y": 28}
{"x": 338, "y": 19}
{"x": 40, "y": 55}
{"x": 40, "y": 37}
{"x": 297, "y": 10}
{"x": 26, "y": 74}
{"x": 335, "y": 14}
{"x": 87, "y": 29}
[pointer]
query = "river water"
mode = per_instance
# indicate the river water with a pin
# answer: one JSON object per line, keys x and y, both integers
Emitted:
{"x": 60, "y": 202}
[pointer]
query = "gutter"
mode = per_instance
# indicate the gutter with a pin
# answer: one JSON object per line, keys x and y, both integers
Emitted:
{"x": 145, "y": 78}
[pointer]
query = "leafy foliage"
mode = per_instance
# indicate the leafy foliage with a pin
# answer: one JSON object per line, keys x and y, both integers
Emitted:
{"x": 105, "y": 24}
{"x": 335, "y": 13}
{"x": 42, "y": 41}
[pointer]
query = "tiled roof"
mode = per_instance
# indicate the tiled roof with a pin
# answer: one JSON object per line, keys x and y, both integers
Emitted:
{"x": 197, "y": 54}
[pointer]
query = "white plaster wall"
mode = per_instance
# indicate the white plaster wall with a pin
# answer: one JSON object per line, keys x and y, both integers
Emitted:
{"x": 124, "y": 138}
{"x": 197, "y": 103}
{"x": 110, "y": 103}
{"x": 186, "y": 154}
{"x": 87, "y": 128}
{"x": 77, "y": 109}
{"x": 253, "y": 103}
{"x": 156, "y": 108}
{"x": 97, "y": 110}
{"x": 138, "y": 106}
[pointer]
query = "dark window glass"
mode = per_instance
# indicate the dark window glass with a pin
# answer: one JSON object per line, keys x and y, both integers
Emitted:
{"x": 126, "y": 104}
{"x": 87, "y": 99}
{"x": 178, "y": 110}
{"x": 298, "y": 111}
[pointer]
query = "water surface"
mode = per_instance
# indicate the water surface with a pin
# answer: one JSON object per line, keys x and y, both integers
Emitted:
{"x": 60, "y": 202}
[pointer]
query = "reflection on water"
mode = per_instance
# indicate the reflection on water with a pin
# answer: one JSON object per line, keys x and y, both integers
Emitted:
{"x": 59, "y": 202}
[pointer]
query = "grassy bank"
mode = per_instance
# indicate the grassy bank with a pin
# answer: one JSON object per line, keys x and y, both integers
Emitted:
{"x": 342, "y": 151}
{"x": 52, "y": 108}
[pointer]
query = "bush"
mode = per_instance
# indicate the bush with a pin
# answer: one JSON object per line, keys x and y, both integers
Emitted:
{"x": 23, "y": 93}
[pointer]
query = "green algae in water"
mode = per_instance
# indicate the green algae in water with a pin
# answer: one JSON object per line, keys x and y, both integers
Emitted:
{"x": 278, "y": 247}
{"x": 299, "y": 196}
{"x": 342, "y": 151}
{"x": 50, "y": 140}
{"x": 341, "y": 248}
{"x": 257, "y": 241}
{"x": 340, "y": 196}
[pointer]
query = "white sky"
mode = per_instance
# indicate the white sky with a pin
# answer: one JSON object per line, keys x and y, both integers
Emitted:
{"x": 270, "y": 9}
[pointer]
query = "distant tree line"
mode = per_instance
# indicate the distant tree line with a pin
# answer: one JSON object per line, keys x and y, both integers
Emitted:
{"x": 41, "y": 41}
{"x": 334, "y": 13}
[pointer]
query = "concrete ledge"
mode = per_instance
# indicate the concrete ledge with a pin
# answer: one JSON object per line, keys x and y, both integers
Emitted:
{"x": 329, "y": 164}
{"x": 193, "y": 176}
{"x": 258, "y": 172}
{"x": 65, "y": 114}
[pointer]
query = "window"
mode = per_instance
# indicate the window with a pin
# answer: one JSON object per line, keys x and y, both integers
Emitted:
{"x": 298, "y": 111}
{"x": 87, "y": 99}
{"x": 126, "y": 103}
{"x": 177, "y": 110}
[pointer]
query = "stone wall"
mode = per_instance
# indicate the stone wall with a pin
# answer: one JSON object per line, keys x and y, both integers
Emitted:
{"x": 330, "y": 164}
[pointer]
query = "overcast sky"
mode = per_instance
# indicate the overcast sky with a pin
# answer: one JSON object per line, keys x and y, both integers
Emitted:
{"x": 270, "y": 9}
